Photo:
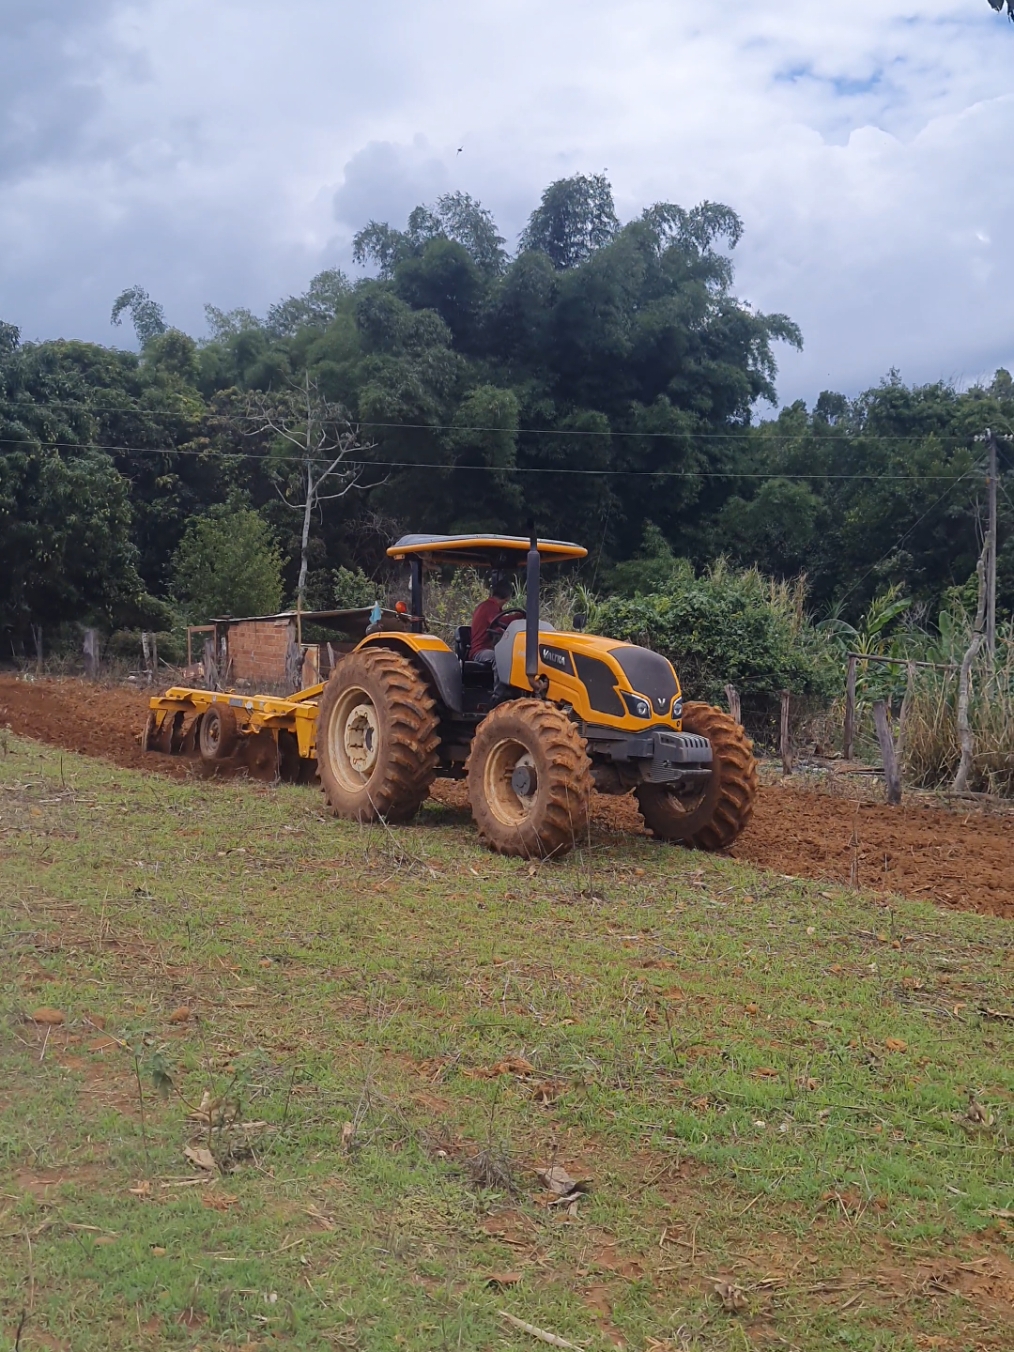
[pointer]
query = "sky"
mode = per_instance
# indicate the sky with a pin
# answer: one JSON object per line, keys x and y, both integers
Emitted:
{"x": 224, "y": 151}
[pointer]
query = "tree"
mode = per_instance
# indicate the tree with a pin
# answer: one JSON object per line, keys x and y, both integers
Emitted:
{"x": 147, "y": 315}
{"x": 227, "y": 563}
{"x": 998, "y": 5}
{"x": 66, "y": 552}
{"x": 575, "y": 217}
{"x": 319, "y": 457}
{"x": 611, "y": 378}
{"x": 456, "y": 217}
{"x": 314, "y": 309}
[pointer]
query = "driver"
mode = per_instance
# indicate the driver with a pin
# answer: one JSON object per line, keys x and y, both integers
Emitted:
{"x": 486, "y": 613}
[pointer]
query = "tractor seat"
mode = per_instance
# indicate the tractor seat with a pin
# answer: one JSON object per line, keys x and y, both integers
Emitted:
{"x": 472, "y": 673}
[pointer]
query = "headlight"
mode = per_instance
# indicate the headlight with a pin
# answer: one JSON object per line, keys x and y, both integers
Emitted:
{"x": 636, "y": 705}
{"x": 677, "y": 708}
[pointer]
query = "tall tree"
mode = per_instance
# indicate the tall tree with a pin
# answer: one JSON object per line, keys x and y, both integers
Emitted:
{"x": 575, "y": 217}
{"x": 319, "y": 457}
{"x": 456, "y": 217}
{"x": 147, "y": 315}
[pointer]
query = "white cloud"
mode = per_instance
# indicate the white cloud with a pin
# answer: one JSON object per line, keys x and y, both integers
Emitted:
{"x": 224, "y": 153}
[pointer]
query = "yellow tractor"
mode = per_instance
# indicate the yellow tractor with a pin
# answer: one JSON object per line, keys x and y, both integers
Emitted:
{"x": 553, "y": 717}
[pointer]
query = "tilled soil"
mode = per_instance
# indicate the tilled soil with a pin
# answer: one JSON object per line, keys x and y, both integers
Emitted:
{"x": 960, "y": 858}
{"x": 95, "y": 720}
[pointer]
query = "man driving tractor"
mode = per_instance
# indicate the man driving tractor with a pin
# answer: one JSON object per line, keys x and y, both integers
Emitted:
{"x": 487, "y": 614}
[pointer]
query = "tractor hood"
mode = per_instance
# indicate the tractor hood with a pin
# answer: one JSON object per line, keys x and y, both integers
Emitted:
{"x": 650, "y": 674}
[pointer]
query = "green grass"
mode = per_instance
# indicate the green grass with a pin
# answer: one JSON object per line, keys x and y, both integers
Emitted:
{"x": 766, "y": 1080}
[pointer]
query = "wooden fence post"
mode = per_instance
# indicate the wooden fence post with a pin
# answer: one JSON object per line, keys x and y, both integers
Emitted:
{"x": 293, "y": 667}
{"x": 848, "y": 740}
{"x": 735, "y": 708}
{"x": 210, "y": 665}
{"x": 885, "y": 736}
{"x": 91, "y": 653}
{"x": 906, "y": 709}
{"x": 786, "y": 744}
{"x": 965, "y": 738}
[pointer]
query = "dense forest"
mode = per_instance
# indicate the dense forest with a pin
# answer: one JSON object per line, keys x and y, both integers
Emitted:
{"x": 600, "y": 379}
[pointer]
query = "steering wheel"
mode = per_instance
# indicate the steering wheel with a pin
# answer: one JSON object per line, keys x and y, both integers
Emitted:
{"x": 498, "y": 625}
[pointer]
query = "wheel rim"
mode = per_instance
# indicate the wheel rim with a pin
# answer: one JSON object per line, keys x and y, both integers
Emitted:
{"x": 686, "y": 804}
{"x": 213, "y": 732}
{"x": 510, "y": 782}
{"x": 354, "y": 738}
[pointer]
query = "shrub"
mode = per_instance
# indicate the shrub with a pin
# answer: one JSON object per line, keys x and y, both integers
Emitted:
{"x": 726, "y": 627}
{"x": 352, "y": 588}
{"x": 227, "y": 564}
{"x": 125, "y": 644}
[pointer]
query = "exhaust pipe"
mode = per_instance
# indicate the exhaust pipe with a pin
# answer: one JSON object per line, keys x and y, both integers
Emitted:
{"x": 532, "y": 608}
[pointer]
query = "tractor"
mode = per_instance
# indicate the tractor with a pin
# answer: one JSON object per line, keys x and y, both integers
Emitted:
{"x": 553, "y": 717}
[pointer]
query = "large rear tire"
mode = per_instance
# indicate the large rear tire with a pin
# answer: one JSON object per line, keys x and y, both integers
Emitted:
{"x": 529, "y": 780}
{"x": 376, "y": 737}
{"x": 713, "y": 818}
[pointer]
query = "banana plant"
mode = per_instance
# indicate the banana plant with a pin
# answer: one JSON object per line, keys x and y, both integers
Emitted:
{"x": 872, "y": 637}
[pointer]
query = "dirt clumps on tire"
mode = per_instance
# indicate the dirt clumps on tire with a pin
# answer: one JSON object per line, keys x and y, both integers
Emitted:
{"x": 714, "y": 818}
{"x": 376, "y": 737}
{"x": 529, "y": 780}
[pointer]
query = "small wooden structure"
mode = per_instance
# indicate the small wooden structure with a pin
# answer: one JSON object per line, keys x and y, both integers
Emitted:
{"x": 265, "y": 652}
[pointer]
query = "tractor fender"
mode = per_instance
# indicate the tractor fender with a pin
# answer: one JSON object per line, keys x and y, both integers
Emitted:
{"x": 438, "y": 663}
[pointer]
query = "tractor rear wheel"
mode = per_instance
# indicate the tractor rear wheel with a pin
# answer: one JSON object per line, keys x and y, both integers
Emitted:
{"x": 713, "y": 817}
{"x": 219, "y": 733}
{"x": 529, "y": 780}
{"x": 376, "y": 737}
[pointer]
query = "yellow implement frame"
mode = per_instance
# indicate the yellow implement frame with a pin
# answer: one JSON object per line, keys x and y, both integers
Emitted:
{"x": 174, "y": 717}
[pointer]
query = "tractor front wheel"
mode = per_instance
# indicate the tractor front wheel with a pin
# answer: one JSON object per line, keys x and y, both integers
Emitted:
{"x": 711, "y": 818}
{"x": 529, "y": 780}
{"x": 376, "y": 737}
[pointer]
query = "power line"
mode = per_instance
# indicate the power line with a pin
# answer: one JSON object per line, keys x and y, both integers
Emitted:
{"x": 898, "y": 543}
{"x": 215, "y": 453}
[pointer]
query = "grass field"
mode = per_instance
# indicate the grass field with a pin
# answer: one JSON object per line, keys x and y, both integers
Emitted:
{"x": 786, "y": 1108}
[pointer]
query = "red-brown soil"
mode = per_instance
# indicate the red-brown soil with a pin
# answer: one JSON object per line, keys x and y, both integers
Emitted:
{"x": 958, "y": 857}
{"x": 96, "y": 720}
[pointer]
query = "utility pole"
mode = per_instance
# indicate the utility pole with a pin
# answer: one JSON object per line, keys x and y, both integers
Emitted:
{"x": 991, "y": 560}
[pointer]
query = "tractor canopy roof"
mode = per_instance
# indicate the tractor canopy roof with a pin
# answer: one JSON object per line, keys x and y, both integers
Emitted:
{"x": 482, "y": 551}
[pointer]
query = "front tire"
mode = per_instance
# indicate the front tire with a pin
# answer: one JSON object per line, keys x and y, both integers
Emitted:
{"x": 714, "y": 818}
{"x": 529, "y": 780}
{"x": 376, "y": 737}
